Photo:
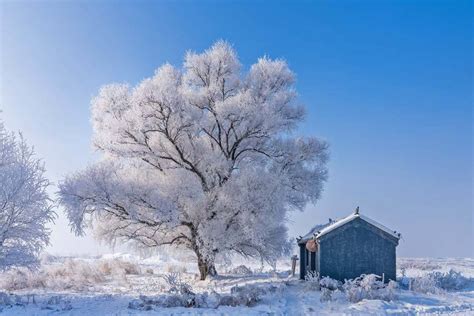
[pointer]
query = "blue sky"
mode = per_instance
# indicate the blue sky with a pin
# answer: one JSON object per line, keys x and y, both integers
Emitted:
{"x": 387, "y": 83}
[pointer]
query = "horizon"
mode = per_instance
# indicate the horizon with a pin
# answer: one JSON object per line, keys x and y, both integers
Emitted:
{"x": 388, "y": 85}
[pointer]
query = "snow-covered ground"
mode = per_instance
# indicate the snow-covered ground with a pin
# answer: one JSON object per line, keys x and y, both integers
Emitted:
{"x": 128, "y": 285}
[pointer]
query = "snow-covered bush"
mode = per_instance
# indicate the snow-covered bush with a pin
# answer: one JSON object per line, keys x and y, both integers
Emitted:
{"x": 172, "y": 268}
{"x": 367, "y": 286}
{"x": 248, "y": 295}
{"x": 328, "y": 295}
{"x": 329, "y": 289}
{"x": 208, "y": 300}
{"x": 424, "y": 284}
{"x": 6, "y": 299}
{"x": 364, "y": 287}
{"x": 57, "y": 303}
{"x": 312, "y": 281}
{"x": 240, "y": 270}
{"x": 418, "y": 264}
{"x": 72, "y": 274}
{"x": 53, "y": 303}
{"x": 21, "y": 278}
{"x": 145, "y": 303}
{"x": 118, "y": 266}
{"x": 315, "y": 283}
{"x": 436, "y": 282}
{"x": 452, "y": 280}
{"x": 177, "y": 285}
{"x": 75, "y": 271}
{"x": 330, "y": 284}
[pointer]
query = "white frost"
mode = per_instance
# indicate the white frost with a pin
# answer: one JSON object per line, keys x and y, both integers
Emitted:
{"x": 200, "y": 158}
{"x": 25, "y": 207}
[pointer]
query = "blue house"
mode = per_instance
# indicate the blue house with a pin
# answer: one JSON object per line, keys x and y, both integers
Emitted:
{"x": 348, "y": 247}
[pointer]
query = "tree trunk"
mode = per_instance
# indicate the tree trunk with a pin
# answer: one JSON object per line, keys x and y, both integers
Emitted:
{"x": 205, "y": 263}
{"x": 206, "y": 267}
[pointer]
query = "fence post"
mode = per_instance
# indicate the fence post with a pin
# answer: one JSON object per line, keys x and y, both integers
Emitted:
{"x": 293, "y": 264}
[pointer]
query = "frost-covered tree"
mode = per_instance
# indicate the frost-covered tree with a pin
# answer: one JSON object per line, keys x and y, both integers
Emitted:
{"x": 200, "y": 158}
{"x": 25, "y": 208}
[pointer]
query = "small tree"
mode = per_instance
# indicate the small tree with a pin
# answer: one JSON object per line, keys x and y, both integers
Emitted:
{"x": 25, "y": 208}
{"x": 200, "y": 158}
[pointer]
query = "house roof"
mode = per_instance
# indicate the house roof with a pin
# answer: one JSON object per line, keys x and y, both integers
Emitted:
{"x": 313, "y": 231}
{"x": 321, "y": 230}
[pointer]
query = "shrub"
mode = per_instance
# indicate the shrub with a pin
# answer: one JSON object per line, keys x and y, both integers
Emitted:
{"x": 420, "y": 264}
{"x": 74, "y": 274}
{"x": 367, "y": 286}
{"x": 312, "y": 281}
{"x": 331, "y": 295}
{"x": 437, "y": 282}
{"x": 118, "y": 267}
{"x": 177, "y": 285}
{"x": 248, "y": 295}
{"x": 5, "y": 299}
{"x": 329, "y": 289}
{"x": 330, "y": 284}
{"x": 241, "y": 270}
{"x": 424, "y": 284}
{"x": 228, "y": 300}
{"x": 452, "y": 281}
{"x": 57, "y": 303}
{"x": 171, "y": 268}
{"x": 363, "y": 287}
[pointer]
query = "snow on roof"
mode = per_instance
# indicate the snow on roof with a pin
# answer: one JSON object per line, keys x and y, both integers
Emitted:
{"x": 313, "y": 231}
{"x": 320, "y": 230}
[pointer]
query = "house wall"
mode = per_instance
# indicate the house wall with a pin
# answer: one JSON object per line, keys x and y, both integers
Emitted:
{"x": 357, "y": 248}
{"x": 302, "y": 261}
{"x": 312, "y": 261}
{"x": 309, "y": 261}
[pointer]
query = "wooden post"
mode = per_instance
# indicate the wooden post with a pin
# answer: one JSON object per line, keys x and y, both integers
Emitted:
{"x": 293, "y": 264}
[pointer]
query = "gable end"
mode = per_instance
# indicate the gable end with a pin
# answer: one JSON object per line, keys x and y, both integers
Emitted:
{"x": 359, "y": 223}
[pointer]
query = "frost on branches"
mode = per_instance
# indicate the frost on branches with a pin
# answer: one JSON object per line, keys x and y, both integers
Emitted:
{"x": 25, "y": 208}
{"x": 200, "y": 158}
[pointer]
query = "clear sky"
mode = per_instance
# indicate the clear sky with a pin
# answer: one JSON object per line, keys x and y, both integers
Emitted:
{"x": 387, "y": 83}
